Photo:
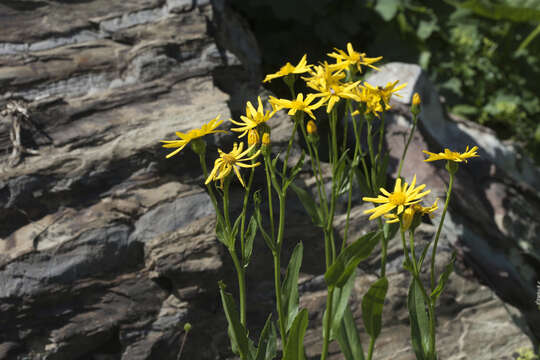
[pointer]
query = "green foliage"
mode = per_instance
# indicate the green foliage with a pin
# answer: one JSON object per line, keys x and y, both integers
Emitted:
{"x": 348, "y": 260}
{"x": 294, "y": 350}
{"x": 372, "y": 307}
{"x": 418, "y": 316}
{"x": 289, "y": 291}
{"x": 483, "y": 55}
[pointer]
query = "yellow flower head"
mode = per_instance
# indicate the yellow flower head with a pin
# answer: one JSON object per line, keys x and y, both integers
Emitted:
{"x": 452, "y": 155}
{"x": 401, "y": 197}
{"x": 386, "y": 92}
{"x": 265, "y": 139}
{"x": 192, "y": 135}
{"x": 352, "y": 58}
{"x": 253, "y": 137}
{"x": 233, "y": 161}
{"x": 408, "y": 214}
{"x": 323, "y": 77}
{"x": 300, "y": 104}
{"x": 330, "y": 95}
{"x": 416, "y": 100}
{"x": 253, "y": 118}
{"x": 289, "y": 68}
{"x": 311, "y": 127}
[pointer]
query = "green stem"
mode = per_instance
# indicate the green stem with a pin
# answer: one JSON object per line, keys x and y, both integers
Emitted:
{"x": 289, "y": 146}
{"x": 241, "y": 285}
{"x": 381, "y": 134}
{"x": 370, "y": 350}
{"x": 328, "y": 324}
{"x": 415, "y": 120}
{"x": 243, "y": 213}
{"x": 277, "y": 285}
{"x": 267, "y": 165}
{"x": 413, "y": 253}
{"x": 384, "y": 246}
{"x": 436, "y": 241}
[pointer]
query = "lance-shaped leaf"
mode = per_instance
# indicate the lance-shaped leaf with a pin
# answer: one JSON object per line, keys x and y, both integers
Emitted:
{"x": 348, "y": 338}
{"x": 350, "y": 257}
{"x": 237, "y": 332}
{"x": 249, "y": 238}
{"x": 289, "y": 288}
{"x": 309, "y": 204}
{"x": 266, "y": 350}
{"x": 294, "y": 350}
{"x": 340, "y": 300}
{"x": 443, "y": 279}
{"x": 258, "y": 219}
{"x": 372, "y": 307}
{"x": 419, "y": 321}
{"x": 221, "y": 233}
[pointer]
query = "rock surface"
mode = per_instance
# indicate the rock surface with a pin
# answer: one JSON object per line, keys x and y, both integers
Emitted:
{"x": 107, "y": 248}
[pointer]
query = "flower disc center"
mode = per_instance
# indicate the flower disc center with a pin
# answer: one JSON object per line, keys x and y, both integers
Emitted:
{"x": 398, "y": 198}
{"x": 229, "y": 159}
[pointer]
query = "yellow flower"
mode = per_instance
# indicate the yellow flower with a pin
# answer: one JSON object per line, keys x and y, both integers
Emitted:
{"x": 191, "y": 135}
{"x": 416, "y": 100}
{"x": 289, "y": 68}
{"x": 408, "y": 214}
{"x": 401, "y": 197}
{"x": 253, "y": 118}
{"x": 332, "y": 94}
{"x": 323, "y": 77}
{"x": 311, "y": 127}
{"x": 253, "y": 137}
{"x": 386, "y": 92}
{"x": 352, "y": 58}
{"x": 452, "y": 155}
{"x": 232, "y": 161}
{"x": 265, "y": 139}
{"x": 295, "y": 105}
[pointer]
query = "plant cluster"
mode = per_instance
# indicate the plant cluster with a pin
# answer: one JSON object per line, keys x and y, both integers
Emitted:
{"x": 348, "y": 101}
{"x": 482, "y": 55}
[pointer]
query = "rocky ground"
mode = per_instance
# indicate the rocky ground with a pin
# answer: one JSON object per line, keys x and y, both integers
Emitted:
{"x": 107, "y": 248}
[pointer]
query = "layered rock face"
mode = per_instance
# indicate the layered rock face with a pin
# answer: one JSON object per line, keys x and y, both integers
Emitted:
{"x": 107, "y": 248}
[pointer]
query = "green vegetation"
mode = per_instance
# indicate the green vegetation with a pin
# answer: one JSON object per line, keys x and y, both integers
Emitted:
{"x": 483, "y": 55}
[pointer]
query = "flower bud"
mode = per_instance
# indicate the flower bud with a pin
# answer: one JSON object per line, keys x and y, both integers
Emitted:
{"x": 253, "y": 137}
{"x": 198, "y": 146}
{"x": 311, "y": 127}
{"x": 187, "y": 327}
{"x": 266, "y": 139}
{"x": 416, "y": 101}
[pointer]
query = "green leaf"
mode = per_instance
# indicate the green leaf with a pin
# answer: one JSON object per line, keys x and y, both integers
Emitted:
{"x": 426, "y": 28}
{"x": 508, "y": 10}
{"x": 295, "y": 341}
{"x": 289, "y": 288}
{"x": 236, "y": 225}
{"x": 266, "y": 350}
{"x": 340, "y": 300}
{"x": 372, "y": 307}
{"x": 390, "y": 230}
{"x": 443, "y": 279}
{"x": 348, "y": 338}
{"x": 221, "y": 233}
{"x": 350, "y": 257}
{"x": 309, "y": 204}
{"x": 237, "y": 332}
{"x": 251, "y": 231}
{"x": 258, "y": 218}
{"x": 387, "y": 8}
{"x": 419, "y": 321}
